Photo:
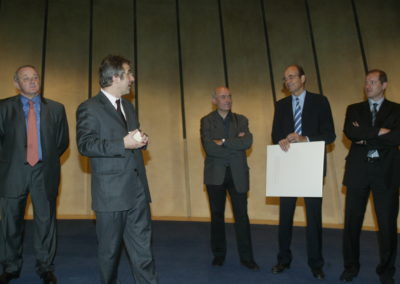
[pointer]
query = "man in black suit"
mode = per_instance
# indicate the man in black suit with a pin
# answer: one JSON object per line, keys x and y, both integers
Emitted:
{"x": 226, "y": 137}
{"x": 33, "y": 136}
{"x": 108, "y": 133}
{"x": 301, "y": 117}
{"x": 373, "y": 162}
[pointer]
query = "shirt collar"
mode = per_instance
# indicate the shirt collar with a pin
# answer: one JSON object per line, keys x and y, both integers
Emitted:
{"x": 372, "y": 102}
{"x": 301, "y": 96}
{"x": 110, "y": 97}
{"x": 36, "y": 99}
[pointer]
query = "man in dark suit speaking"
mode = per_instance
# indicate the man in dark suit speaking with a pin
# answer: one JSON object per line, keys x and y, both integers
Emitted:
{"x": 226, "y": 137}
{"x": 33, "y": 136}
{"x": 301, "y": 117}
{"x": 373, "y": 163}
{"x": 108, "y": 133}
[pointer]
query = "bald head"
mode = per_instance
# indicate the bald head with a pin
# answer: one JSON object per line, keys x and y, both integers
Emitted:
{"x": 222, "y": 99}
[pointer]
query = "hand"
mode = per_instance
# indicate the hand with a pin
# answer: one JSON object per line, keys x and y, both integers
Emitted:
{"x": 355, "y": 124}
{"x": 218, "y": 142}
{"x": 241, "y": 134}
{"x": 145, "y": 138}
{"x": 285, "y": 145}
{"x": 383, "y": 131}
{"x": 132, "y": 143}
{"x": 361, "y": 142}
{"x": 294, "y": 137}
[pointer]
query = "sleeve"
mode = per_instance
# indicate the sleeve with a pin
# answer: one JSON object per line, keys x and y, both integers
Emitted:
{"x": 277, "y": 133}
{"x": 89, "y": 141}
{"x": 63, "y": 132}
{"x": 244, "y": 142}
{"x": 212, "y": 150}
{"x": 357, "y": 133}
{"x": 326, "y": 128}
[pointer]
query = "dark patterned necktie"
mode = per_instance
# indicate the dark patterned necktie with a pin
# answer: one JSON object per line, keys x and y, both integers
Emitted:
{"x": 118, "y": 102}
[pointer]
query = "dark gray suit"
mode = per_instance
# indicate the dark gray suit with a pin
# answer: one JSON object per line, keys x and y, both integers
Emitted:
{"x": 18, "y": 178}
{"x": 120, "y": 194}
{"x": 226, "y": 169}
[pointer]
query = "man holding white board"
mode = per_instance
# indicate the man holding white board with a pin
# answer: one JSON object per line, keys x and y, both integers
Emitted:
{"x": 301, "y": 117}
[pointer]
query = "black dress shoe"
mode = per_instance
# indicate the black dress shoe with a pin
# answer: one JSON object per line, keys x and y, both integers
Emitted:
{"x": 48, "y": 278}
{"x": 218, "y": 261}
{"x": 348, "y": 275}
{"x": 250, "y": 264}
{"x": 6, "y": 277}
{"x": 318, "y": 273}
{"x": 278, "y": 268}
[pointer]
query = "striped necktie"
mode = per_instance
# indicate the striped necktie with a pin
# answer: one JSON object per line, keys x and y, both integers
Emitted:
{"x": 297, "y": 117}
{"x": 373, "y": 153}
{"x": 374, "y": 112}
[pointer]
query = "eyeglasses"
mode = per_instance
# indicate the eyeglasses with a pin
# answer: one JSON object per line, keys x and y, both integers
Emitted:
{"x": 289, "y": 78}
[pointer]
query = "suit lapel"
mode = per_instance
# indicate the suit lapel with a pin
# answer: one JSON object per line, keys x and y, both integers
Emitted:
{"x": 366, "y": 113}
{"x": 288, "y": 108}
{"x": 383, "y": 112}
{"x": 131, "y": 119}
{"x": 20, "y": 118}
{"x": 45, "y": 121}
{"x": 109, "y": 108}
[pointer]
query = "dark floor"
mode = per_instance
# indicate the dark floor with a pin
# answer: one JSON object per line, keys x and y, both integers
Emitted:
{"x": 183, "y": 256}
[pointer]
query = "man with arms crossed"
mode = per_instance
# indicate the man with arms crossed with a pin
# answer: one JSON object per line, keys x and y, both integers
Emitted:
{"x": 373, "y": 163}
{"x": 33, "y": 136}
{"x": 301, "y": 117}
{"x": 108, "y": 133}
{"x": 226, "y": 137}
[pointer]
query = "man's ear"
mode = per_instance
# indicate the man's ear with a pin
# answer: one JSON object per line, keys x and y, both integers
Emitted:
{"x": 116, "y": 79}
{"x": 16, "y": 84}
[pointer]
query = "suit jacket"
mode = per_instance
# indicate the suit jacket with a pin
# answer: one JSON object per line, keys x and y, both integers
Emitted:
{"x": 116, "y": 171}
{"x": 387, "y": 145}
{"x": 233, "y": 150}
{"x": 54, "y": 141}
{"x": 316, "y": 120}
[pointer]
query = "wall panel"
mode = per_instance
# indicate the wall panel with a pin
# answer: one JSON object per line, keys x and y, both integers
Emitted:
{"x": 379, "y": 24}
{"x": 159, "y": 102}
{"x": 290, "y": 41}
{"x": 342, "y": 78}
{"x": 67, "y": 82}
{"x": 250, "y": 85}
{"x": 112, "y": 34}
{"x": 175, "y": 163}
{"x": 21, "y": 34}
{"x": 202, "y": 66}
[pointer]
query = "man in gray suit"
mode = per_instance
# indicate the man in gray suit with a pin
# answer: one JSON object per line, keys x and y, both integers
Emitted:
{"x": 108, "y": 133}
{"x": 33, "y": 136}
{"x": 226, "y": 137}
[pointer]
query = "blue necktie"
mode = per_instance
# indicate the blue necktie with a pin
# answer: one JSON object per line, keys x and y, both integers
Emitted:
{"x": 297, "y": 117}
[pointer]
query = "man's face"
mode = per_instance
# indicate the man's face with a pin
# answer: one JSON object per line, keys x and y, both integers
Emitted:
{"x": 222, "y": 99}
{"x": 28, "y": 82}
{"x": 293, "y": 82}
{"x": 373, "y": 87}
{"x": 124, "y": 85}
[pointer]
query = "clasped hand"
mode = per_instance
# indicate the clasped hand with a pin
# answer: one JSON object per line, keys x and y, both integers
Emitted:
{"x": 131, "y": 143}
{"x": 291, "y": 138}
